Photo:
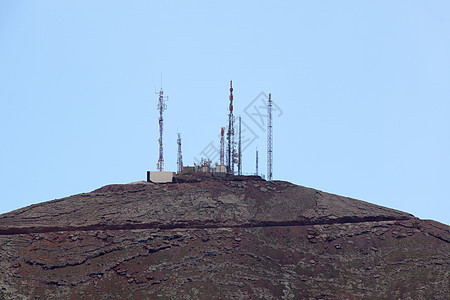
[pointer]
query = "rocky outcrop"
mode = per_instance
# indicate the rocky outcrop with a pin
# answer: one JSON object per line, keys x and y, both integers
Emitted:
{"x": 208, "y": 203}
{"x": 211, "y": 238}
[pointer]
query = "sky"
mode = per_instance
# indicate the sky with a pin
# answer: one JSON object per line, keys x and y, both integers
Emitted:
{"x": 361, "y": 93}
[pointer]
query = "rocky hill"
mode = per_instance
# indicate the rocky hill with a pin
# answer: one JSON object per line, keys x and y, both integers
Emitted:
{"x": 220, "y": 239}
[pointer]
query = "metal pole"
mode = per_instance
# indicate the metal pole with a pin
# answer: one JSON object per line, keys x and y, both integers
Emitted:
{"x": 269, "y": 139}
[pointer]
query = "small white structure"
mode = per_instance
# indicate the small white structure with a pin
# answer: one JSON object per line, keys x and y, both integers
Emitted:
{"x": 159, "y": 177}
{"x": 220, "y": 169}
{"x": 203, "y": 167}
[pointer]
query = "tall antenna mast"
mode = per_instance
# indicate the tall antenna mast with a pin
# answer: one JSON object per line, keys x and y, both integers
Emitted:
{"x": 239, "y": 150}
{"x": 161, "y": 107}
{"x": 180, "y": 156}
{"x": 269, "y": 139}
{"x": 230, "y": 134}
{"x": 222, "y": 146}
{"x": 257, "y": 171}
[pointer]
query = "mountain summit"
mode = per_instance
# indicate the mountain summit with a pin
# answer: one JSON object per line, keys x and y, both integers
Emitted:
{"x": 214, "y": 238}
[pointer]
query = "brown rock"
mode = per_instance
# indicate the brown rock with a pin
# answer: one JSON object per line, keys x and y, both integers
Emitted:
{"x": 202, "y": 239}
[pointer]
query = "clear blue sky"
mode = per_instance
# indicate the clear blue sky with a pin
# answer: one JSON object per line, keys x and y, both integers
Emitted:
{"x": 363, "y": 89}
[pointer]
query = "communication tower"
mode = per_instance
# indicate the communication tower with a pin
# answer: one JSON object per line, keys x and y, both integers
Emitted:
{"x": 269, "y": 139}
{"x": 257, "y": 171}
{"x": 162, "y": 106}
{"x": 239, "y": 149}
{"x": 222, "y": 145}
{"x": 180, "y": 156}
{"x": 230, "y": 134}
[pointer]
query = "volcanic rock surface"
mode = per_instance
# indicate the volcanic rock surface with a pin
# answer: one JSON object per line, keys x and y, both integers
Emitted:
{"x": 212, "y": 238}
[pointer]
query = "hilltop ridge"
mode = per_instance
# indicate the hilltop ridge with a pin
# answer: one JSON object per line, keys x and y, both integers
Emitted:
{"x": 240, "y": 237}
{"x": 203, "y": 202}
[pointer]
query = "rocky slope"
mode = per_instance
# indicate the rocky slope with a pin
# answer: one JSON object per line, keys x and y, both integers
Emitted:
{"x": 209, "y": 238}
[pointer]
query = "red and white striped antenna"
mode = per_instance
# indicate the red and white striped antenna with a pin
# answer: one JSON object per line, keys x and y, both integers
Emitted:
{"x": 162, "y": 106}
{"x": 222, "y": 145}
{"x": 230, "y": 134}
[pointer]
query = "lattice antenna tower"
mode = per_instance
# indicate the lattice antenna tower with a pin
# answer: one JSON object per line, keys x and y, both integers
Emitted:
{"x": 162, "y": 106}
{"x": 180, "y": 156}
{"x": 230, "y": 134}
{"x": 239, "y": 149}
{"x": 269, "y": 139}
{"x": 257, "y": 171}
{"x": 222, "y": 145}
